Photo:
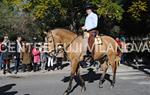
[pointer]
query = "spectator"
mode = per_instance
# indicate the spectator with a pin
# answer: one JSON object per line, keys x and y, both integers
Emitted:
{"x": 60, "y": 56}
{"x": 5, "y": 54}
{"x": 18, "y": 49}
{"x": 43, "y": 58}
{"x": 26, "y": 57}
{"x": 36, "y": 58}
{"x": 119, "y": 46}
{"x": 50, "y": 63}
{"x": 124, "y": 52}
{"x": 1, "y": 61}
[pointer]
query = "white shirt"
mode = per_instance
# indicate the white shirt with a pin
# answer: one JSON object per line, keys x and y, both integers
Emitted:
{"x": 19, "y": 48}
{"x": 91, "y": 21}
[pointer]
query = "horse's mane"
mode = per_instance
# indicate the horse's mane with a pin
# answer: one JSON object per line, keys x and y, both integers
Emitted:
{"x": 63, "y": 32}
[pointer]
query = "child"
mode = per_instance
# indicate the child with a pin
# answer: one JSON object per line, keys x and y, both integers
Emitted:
{"x": 50, "y": 62}
{"x": 36, "y": 58}
{"x": 43, "y": 57}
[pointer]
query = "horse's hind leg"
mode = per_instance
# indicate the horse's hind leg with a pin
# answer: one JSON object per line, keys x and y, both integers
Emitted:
{"x": 104, "y": 67}
{"x": 114, "y": 68}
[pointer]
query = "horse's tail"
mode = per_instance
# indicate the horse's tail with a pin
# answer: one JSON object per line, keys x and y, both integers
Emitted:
{"x": 117, "y": 60}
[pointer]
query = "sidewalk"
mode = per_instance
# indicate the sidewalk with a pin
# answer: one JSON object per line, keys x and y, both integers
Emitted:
{"x": 66, "y": 71}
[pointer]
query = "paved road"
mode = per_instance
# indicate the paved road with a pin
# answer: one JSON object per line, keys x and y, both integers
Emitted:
{"x": 129, "y": 82}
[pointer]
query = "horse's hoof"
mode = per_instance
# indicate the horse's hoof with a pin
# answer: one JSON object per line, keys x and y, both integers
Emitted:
{"x": 112, "y": 86}
{"x": 100, "y": 86}
{"x": 66, "y": 93}
{"x": 83, "y": 89}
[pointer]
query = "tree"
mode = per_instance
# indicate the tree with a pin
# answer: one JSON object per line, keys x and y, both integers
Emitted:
{"x": 111, "y": 12}
{"x": 109, "y": 9}
{"x": 138, "y": 8}
{"x": 136, "y": 19}
{"x": 55, "y": 13}
{"x": 15, "y": 22}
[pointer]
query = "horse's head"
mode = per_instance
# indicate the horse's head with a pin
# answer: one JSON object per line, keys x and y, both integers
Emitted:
{"x": 52, "y": 40}
{"x": 59, "y": 36}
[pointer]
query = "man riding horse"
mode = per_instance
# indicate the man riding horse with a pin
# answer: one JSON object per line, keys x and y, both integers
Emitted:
{"x": 106, "y": 53}
{"x": 90, "y": 31}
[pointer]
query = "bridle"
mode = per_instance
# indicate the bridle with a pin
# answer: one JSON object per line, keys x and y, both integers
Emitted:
{"x": 54, "y": 44}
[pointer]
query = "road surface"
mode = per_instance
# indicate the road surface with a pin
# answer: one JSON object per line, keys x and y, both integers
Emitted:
{"x": 129, "y": 82}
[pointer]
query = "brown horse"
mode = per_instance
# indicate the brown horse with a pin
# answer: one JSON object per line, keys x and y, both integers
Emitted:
{"x": 73, "y": 45}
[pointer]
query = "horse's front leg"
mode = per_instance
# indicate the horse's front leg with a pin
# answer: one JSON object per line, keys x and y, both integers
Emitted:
{"x": 74, "y": 69}
{"x": 82, "y": 81}
{"x": 70, "y": 85}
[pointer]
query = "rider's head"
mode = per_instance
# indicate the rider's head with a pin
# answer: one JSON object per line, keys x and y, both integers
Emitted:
{"x": 89, "y": 8}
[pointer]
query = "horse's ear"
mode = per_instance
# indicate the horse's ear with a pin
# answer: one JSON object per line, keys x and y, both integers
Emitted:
{"x": 45, "y": 32}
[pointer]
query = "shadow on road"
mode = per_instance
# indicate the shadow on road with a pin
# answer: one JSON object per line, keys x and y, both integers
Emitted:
{"x": 142, "y": 68}
{"x": 90, "y": 77}
{"x": 4, "y": 90}
{"x": 62, "y": 66}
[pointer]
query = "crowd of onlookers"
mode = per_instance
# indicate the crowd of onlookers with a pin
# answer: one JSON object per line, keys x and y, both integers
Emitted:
{"x": 27, "y": 57}
{"x": 33, "y": 57}
{"x": 134, "y": 51}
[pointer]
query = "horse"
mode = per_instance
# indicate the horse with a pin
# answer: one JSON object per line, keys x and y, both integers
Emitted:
{"x": 73, "y": 46}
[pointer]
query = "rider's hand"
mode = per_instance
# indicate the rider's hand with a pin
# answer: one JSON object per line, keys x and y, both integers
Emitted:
{"x": 83, "y": 28}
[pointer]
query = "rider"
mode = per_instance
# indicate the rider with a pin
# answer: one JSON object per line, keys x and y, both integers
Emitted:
{"x": 90, "y": 26}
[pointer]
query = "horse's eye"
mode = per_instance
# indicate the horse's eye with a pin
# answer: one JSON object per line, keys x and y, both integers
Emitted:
{"x": 50, "y": 41}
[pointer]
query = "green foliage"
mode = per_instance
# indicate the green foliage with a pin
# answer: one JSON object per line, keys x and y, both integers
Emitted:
{"x": 137, "y": 8}
{"x": 13, "y": 22}
{"x": 32, "y": 17}
{"x": 40, "y": 8}
{"x": 109, "y": 9}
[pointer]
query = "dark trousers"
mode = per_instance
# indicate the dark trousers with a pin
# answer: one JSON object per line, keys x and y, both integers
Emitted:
{"x": 35, "y": 67}
{"x": 17, "y": 63}
{"x": 6, "y": 63}
{"x": 59, "y": 62}
{"x": 24, "y": 66}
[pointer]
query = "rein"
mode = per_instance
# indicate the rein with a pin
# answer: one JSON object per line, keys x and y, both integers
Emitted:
{"x": 54, "y": 44}
{"x": 71, "y": 42}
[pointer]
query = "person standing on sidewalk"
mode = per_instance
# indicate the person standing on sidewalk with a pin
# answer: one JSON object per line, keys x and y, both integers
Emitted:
{"x": 18, "y": 49}
{"x": 26, "y": 57}
{"x": 50, "y": 61}
{"x": 5, "y": 54}
{"x": 36, "y": 58}
{"x": 1, "y": 61}
{"x": 43, "y": 59}
{"x": 60, "y": 56}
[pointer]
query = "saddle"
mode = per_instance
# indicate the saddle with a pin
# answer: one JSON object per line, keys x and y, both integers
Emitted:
{"x": 92, "y": 41}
